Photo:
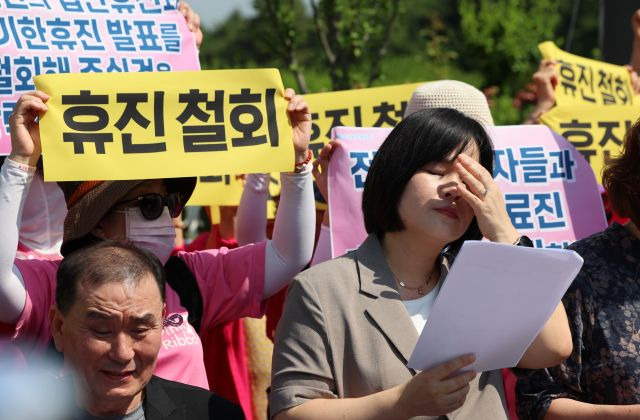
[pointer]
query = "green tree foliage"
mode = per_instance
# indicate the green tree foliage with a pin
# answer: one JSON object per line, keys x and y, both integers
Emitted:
{"x": 289, "y": 23}
{"x": 322, "y": 45}
{"x": 584, "y": 41}
{"x": 351, "y": 36}
{"x": 354, "y": 35}
{"x": 501, "y": 36}
{"x": 233, "y": 44}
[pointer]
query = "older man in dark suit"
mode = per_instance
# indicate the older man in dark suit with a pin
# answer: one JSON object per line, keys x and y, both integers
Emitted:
{"x": 107, "y": 322}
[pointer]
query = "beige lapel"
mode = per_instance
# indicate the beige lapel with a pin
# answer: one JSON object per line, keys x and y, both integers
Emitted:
{"x": 389, "y": 314}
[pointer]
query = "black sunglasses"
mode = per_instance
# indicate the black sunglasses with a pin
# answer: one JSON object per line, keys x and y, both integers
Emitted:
{"x": 151, "y": 204}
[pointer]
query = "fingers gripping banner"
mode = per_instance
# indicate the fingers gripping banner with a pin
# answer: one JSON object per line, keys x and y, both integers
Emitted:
{"x": 582, "y": 81}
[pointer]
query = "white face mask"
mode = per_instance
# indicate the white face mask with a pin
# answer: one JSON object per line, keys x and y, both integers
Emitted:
{"x": 156, "y": 236}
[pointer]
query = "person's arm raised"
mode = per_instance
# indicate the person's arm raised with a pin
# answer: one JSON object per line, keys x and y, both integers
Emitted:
{"x": 634, "y": 61}
{"x": 293, "y": 234}
{"x": 321, "y": 175}
{"x": 252, "y": 210}
{"x": 193, "y": 22}
{"x": 545, "y": 81}
{"x": 15, "y": 177}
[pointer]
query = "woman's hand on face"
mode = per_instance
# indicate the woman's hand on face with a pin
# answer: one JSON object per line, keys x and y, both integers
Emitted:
{"x": 485, "y": 198}
{"x": 300, "y": 118}
{"x": 321, "y": 167}
{"x": 435, "y": 392}
{"x": 25, "y": 133}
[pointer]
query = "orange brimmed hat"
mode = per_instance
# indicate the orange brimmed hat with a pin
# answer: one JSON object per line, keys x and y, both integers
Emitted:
{"x": 89, "y": 201}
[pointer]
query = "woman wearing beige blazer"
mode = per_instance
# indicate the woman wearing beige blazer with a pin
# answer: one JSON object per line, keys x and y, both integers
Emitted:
{"x": 350, "y": 324}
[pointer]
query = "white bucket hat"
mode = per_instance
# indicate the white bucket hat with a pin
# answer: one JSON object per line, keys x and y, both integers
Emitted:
{"x": 451, "y": 94}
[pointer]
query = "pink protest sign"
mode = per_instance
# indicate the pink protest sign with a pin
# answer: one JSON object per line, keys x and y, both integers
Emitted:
{"x": 54, "y": 36}
{"x": 550, "y": 192}
{"x": 347, "y": 171}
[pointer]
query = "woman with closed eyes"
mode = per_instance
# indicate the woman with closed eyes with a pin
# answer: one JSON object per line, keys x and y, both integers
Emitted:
{"x": 350, "y": 324}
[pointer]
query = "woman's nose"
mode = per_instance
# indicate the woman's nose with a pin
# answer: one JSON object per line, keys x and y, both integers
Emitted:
{"x": 451, "y": 185}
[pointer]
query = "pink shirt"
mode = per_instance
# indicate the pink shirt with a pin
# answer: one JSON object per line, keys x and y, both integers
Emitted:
{"x": 231, "y": 284}
{"x": 26, "y": 253}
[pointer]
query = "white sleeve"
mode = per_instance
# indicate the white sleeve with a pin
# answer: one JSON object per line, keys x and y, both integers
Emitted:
{"x": 323, "y": 247}
{"x": 293, "y": 234}
{"x": 14, "y": 186}
{"x": 252, "y": 211}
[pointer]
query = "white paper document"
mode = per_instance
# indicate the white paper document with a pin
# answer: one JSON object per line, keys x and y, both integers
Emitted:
{"x": 493, "y": 303}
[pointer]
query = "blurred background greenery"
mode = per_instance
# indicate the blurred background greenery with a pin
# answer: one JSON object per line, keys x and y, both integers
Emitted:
{"x": 324, "y": 45}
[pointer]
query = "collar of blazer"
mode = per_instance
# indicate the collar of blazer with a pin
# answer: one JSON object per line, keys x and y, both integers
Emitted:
{"x": 382, "y": 301}
{"x": 157, "y": 403}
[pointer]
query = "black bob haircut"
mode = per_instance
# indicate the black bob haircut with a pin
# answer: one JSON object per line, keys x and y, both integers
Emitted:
{"x": 430, "y": 135}
{"x": 101, "y": 263}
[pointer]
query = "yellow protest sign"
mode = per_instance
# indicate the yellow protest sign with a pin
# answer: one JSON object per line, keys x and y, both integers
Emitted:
{"x": 274, "y": 184}
{"x": 271, "y": 212}
{"x": 583, "y": 81}
{"x": 371, "y": 107}
{"x": 274, "y": 191}
{"x": 112, "y": 126}
{"x": 215, "y": 215}
{"x": 217, "y": 190}
{"x": 597, "y": 132}
{"x": 226, "y": 190}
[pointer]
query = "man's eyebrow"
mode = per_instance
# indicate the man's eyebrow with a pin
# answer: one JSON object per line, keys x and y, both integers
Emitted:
{"x": 147, "y": 318}
{"x": 93, "y": 314}
{"x": 144, "y": 319}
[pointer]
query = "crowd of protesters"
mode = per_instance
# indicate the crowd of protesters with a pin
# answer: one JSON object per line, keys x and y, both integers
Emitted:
{"x": 95, "y": 276}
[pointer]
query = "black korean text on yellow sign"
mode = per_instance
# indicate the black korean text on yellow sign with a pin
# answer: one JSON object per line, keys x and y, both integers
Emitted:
{"x": 112, "y": 126}
{"x": 372, "y": 107}
{"x": 582, "y": 81}
{"x": 597, "y": 132}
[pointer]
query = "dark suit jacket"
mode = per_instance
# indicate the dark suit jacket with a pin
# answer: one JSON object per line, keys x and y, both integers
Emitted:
{"x": 169, "y": 400}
